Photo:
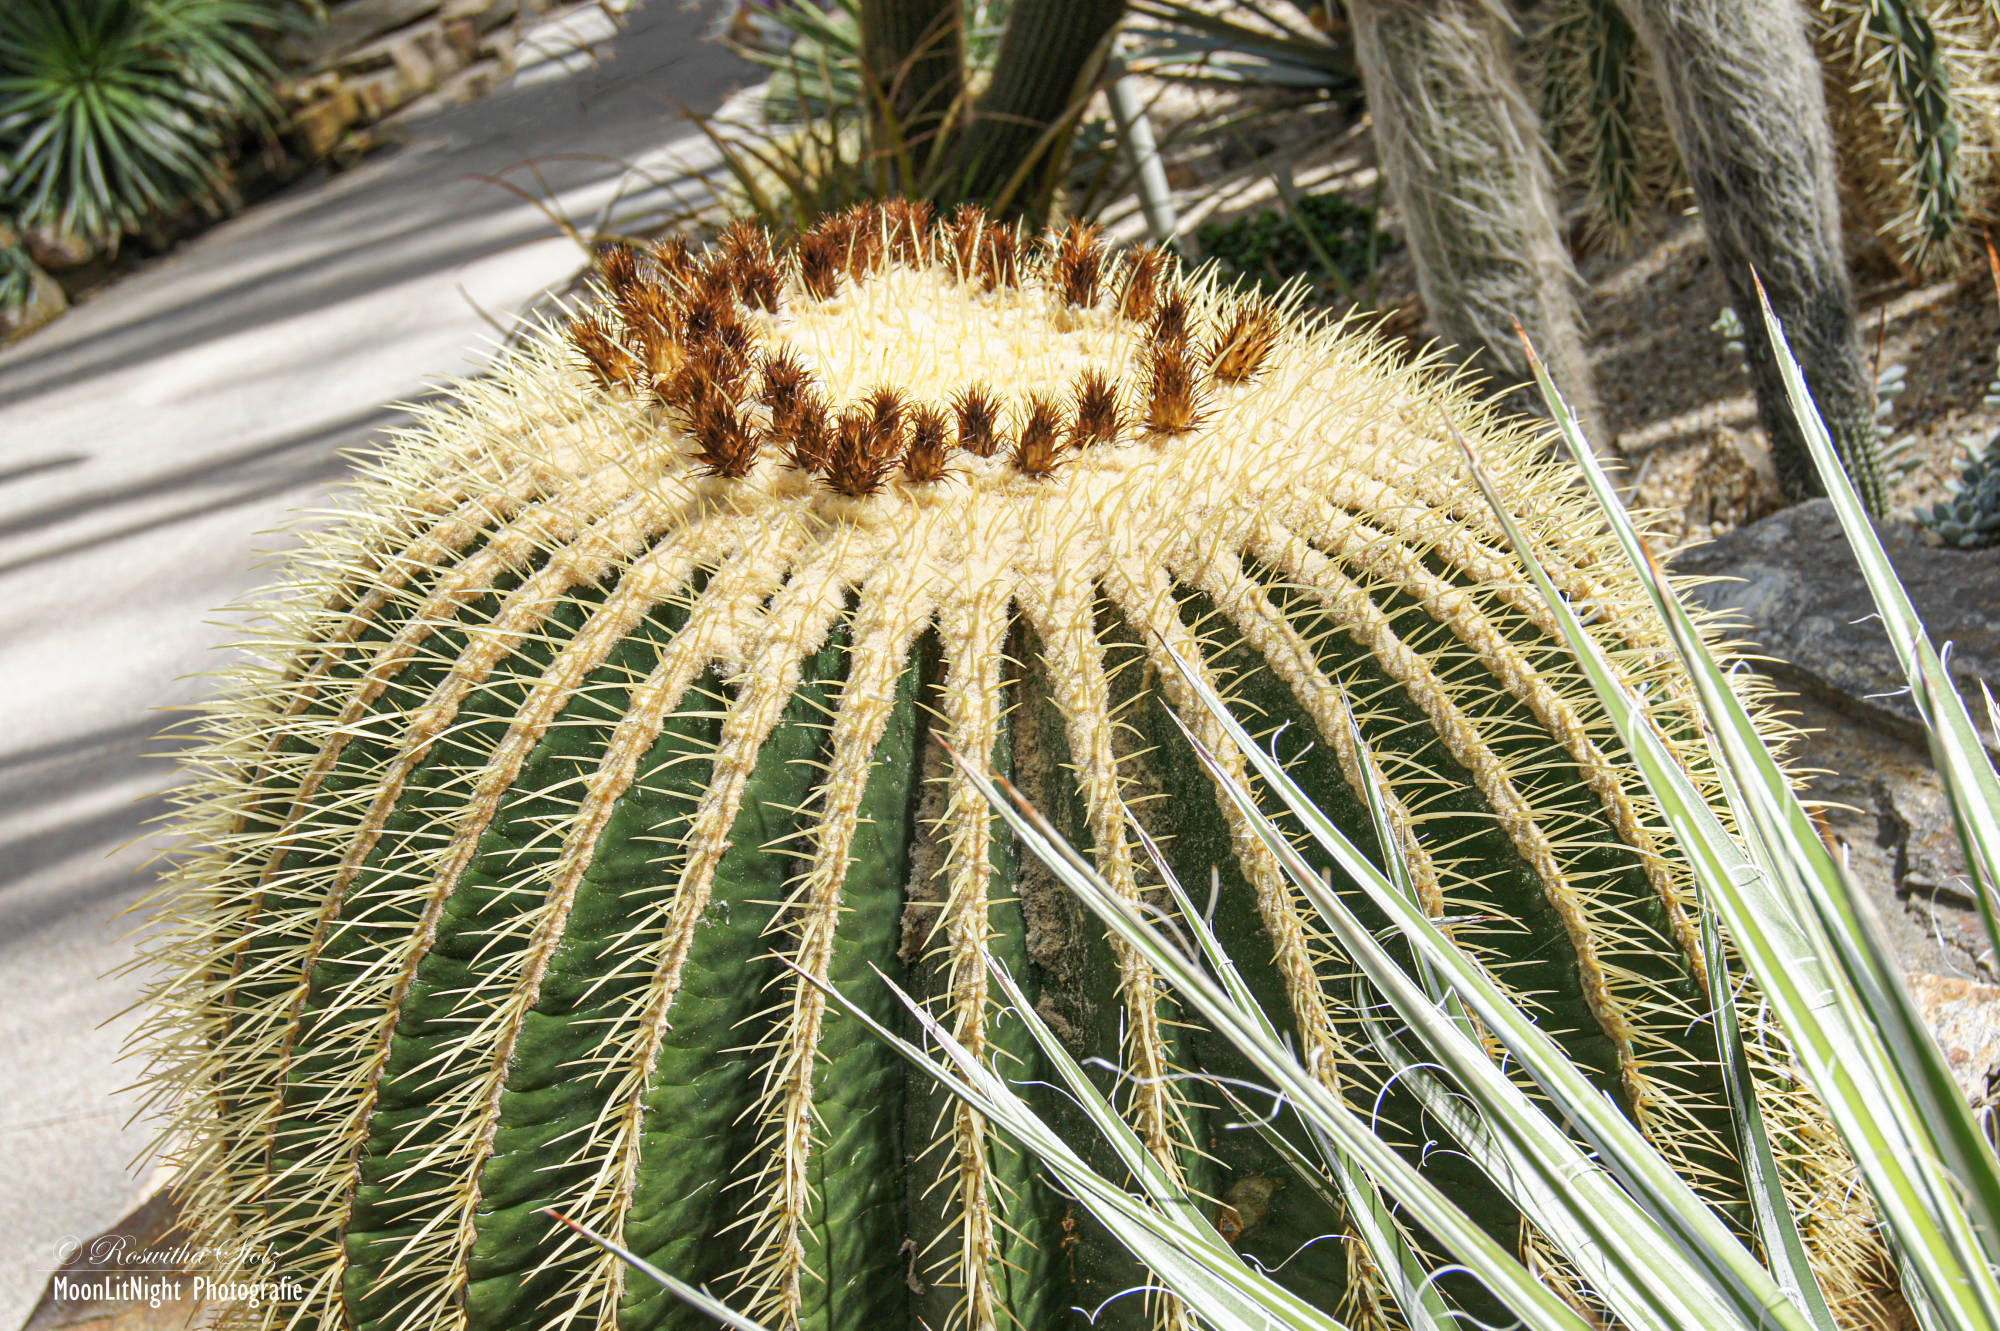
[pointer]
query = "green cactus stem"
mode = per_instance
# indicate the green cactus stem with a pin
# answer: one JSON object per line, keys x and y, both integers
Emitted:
{"x": 616, "y": 706}
{"x": 1603, "y": 118}
{"x": 1911, "y": 87}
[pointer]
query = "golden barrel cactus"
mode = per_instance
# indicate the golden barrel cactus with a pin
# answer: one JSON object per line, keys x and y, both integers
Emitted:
{"x": 618, "y": 702}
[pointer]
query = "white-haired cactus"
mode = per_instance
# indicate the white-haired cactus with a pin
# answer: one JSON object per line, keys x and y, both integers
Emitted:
{"x": 618, "y": 708}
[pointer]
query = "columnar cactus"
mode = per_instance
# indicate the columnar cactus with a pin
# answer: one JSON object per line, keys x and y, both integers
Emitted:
{"x": 1463, "y": 153}
{"x": 616, "y": 709}
{"x": 1914, "y": 93}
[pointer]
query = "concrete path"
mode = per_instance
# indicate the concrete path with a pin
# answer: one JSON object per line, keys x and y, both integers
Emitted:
{"x": 149, "y": 444}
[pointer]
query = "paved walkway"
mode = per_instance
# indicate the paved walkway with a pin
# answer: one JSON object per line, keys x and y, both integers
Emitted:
{"x": 148, "y": 445}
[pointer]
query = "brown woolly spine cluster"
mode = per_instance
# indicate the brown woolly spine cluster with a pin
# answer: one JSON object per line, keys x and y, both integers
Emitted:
{"x": 1175, "y": 396}
{"x": 685, "y": 336}
{"x": 1078, "y": 262}
{"x": 978, "y": 421}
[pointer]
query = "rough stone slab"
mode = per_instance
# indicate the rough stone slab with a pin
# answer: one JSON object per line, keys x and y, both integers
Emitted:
{"x": 57, "y": 251}
{"x": 485, "y": 14}
{"x": 382, "y": 92}
{"x": 321, "y": 125}
{"x": 461, "y": 37}
{"x": 1965, "y": 1017}
{"x": 1799, "y": 591}
{"x": 415, "y": 49}
{"x": 1887, "y": 816}
{"x": 348, "y": 25}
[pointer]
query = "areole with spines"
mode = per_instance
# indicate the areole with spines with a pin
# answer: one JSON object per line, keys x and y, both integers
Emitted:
{"x": 625, "y": 682}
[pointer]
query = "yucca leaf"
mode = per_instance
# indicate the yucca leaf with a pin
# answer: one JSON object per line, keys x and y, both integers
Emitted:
{"x": 1778, "y": 890}
{"x": 1354, "y": 1194}
{"x": 1164, "y": 1190}
{"x": 1777, "y": 1227}
{"x": 1205, "y": 1273}
{"x": 700, "y": 1299}
{"x": 1963, "y": 766}
{"x": 1661, "y": 1255}
{"x": 1411, "y": 1283}
{"x": 1508, "y": 1280}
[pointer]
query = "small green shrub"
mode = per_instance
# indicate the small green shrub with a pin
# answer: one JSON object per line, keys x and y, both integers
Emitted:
{"x": 17, "y": 273}
{"x": 819, "y": 72}
{"x": 1272, "y": 247}
{"x": 114, "y": 111}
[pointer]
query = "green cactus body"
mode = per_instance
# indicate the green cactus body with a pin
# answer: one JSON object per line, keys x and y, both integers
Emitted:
{"x": 621, "y": 699}
{"x": 1600, "y": 106}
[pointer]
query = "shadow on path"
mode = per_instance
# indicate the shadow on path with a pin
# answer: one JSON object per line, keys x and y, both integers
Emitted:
{"x": 150, "y": 443}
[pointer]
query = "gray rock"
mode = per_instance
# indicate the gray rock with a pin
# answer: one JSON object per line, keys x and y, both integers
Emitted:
{"x": 348, "y": 25}
{"x": 1965, "y": 1017}
{"x": 58, "y": 251}
{"x": 1791, "y": 580}
{"x": 1884, "y": 811}
{"x": 1793, "y": 586}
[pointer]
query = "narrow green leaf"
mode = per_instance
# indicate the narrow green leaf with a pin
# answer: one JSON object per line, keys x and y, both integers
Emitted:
{"x": 1777, "y": 1228}
{"x": 700, "y": 1299}
{"x": 1970, "y": 783}
{"x": 1228, "y": 1294}
{"x": 1671, "y": 1305}
{"x": 1777, "y": 891}
{"x": 1681, "y": 1253}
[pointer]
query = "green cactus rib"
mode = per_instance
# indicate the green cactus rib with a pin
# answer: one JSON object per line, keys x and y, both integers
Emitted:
{"x": 1602, "y": 115}
{"x": 570, "y": 763}
{"x": 1928, "y": 132}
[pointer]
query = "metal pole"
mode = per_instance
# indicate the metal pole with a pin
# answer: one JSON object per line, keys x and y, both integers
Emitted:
{"x": 1135, "y": 132}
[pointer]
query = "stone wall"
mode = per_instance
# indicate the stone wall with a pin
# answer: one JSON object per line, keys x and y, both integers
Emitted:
{"x": 375, "y": 60}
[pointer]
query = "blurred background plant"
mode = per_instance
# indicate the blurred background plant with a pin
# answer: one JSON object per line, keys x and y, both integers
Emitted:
{"x": 17, "y": 267}
{"x": 943, "y": 112}
{"x": 1969, "y": 515}
{"x": 1325, "y": 239}
{"x": 1913, "y": 90}
{"x": 1913, "y": 95}
{"x": 1298, "y": 47}
{"x": 814, "y": 54}
{"x": 1600, "y": 107}
{"x": 949, "y": 101}
{"x": 113, "y": 112}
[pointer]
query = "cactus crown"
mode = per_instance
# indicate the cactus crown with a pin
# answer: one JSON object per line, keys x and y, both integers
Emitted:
{"x": 702, "y": 337}
{"x": 617, "y": 702}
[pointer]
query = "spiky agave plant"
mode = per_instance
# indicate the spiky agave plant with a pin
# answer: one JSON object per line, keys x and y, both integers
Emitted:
{"x": 612, "y": 721}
